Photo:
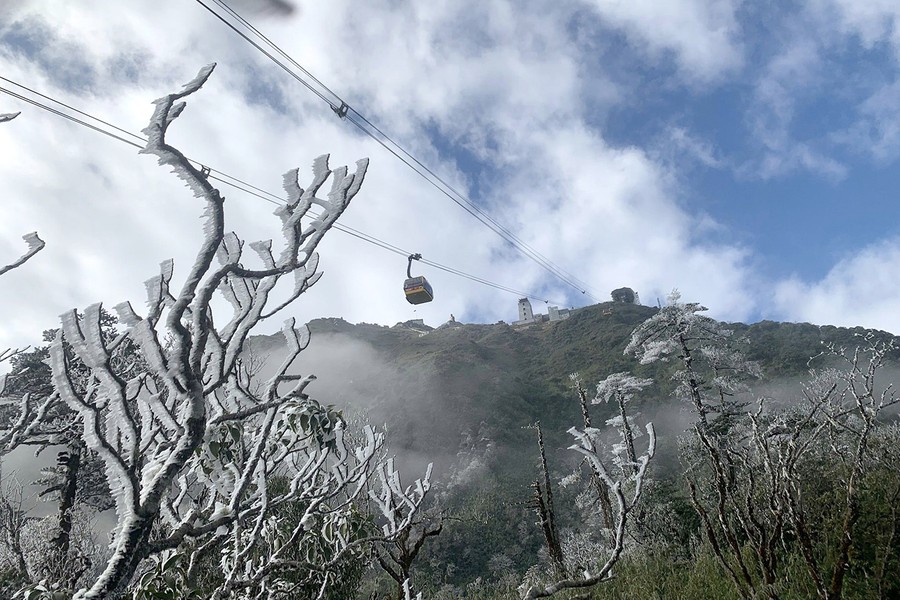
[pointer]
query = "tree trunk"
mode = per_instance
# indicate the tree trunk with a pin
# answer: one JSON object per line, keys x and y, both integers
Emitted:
{"x": 71, "y": 463}
{"x": 606, "y": 508}
{"x": 545, "y": 509}
{"x": 130, "y": 549}
{"x": 627, "y": 436}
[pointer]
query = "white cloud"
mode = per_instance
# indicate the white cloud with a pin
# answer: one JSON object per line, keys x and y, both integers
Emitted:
{"x": 875, "y": 26}
{"x": 501, "y": 78}
{"x": 680, "y": 147}
{"x": 704, "y": 35}
{"x": 873, "y": 21}
{"x": 860, "y": 290}
{"x": 611, "y": 211}
{"x": 791, "y": 77}
{"x": 876, "y": 133}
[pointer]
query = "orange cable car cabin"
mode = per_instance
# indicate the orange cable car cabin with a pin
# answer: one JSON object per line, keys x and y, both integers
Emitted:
{"x": 416, "y": 289}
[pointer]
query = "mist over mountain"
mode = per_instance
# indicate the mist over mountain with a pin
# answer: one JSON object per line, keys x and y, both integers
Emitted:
{"x": 433, "y": 386}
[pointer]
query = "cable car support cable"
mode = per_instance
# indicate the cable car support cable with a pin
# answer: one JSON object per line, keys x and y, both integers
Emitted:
{"x": 244, "y": 186}
{"x": 346, "y": 112}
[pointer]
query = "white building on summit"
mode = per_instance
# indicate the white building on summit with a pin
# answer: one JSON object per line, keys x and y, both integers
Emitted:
{"x": 527, "y": 316}
{"x": 557, "y": 314}
{"x": 525, "y": 312}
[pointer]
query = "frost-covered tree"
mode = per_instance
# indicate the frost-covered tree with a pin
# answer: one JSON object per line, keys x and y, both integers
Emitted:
{"x": 196, "y": 454}
{"x": 29, "y": 410}
{"x": 542, "y": 503}
{"x": 626, "y": 493}
{"x": 397, "y": 556}
{"x": 621, "y": 388}
{"x": 712, "y": 368}
{"x": 749, "y": 472}
{"x": 19, "y": 417}
{"x": 592, "y": 560}
{"x": 26, "y": 407}
{"x": 13, "y": 521}
{"x": 722, "y": 481}
{"x": 844, "y": 419}
{"x": 599, "y": 489}
{"x": 77, "y": 476}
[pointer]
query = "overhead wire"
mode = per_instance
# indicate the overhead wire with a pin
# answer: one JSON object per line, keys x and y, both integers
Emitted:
{"x": 237, "y": 183}
{"x": 75, "y": 110}
{"x": 277, "y": 200}
{"x": 345, "y": 111}
{"x": 69, "y": 117}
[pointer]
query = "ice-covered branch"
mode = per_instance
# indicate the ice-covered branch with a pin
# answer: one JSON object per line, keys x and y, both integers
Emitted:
{"x": 199, "y": 453}
{"x": 25, "y": 427}
{"x": 627, "y": 497}
{"x": 35, "y": 245}
{"x": 621, "y": 387}
{"x": 625, "y": 487}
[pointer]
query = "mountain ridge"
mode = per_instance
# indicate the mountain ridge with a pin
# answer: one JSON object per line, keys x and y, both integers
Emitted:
{"x": 451, "y": 378}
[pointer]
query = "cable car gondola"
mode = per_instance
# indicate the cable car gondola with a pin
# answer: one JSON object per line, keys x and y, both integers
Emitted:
{"x": 417, "y": 289}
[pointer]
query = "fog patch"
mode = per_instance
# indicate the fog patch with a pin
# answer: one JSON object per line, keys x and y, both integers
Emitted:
{"x": 358, "y": 379}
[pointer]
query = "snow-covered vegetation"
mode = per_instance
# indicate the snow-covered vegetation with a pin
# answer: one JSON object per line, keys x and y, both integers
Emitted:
{"x": 189, "y": 467}
{"x": 223, "y": 484}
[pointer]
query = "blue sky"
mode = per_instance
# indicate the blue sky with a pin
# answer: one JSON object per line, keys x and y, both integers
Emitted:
{"x": 745, "y": 153}
{"x": 798, "y": 219}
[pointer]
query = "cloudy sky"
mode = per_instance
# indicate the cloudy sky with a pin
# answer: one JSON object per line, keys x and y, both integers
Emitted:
{"x": 743, "y": 152}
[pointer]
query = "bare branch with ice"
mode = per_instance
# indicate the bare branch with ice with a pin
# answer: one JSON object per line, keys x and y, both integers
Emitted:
{"x": 198, "y": 453}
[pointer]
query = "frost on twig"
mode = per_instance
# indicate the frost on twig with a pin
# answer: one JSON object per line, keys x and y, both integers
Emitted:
{"x": 35, "y": 245}
{"x": 201, "y": 454}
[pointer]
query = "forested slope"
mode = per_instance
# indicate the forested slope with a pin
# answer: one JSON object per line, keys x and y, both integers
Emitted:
{"x": 462, "y": 395}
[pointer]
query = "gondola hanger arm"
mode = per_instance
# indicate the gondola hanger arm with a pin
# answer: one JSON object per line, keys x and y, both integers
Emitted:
{"x": 412, "y": 257}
